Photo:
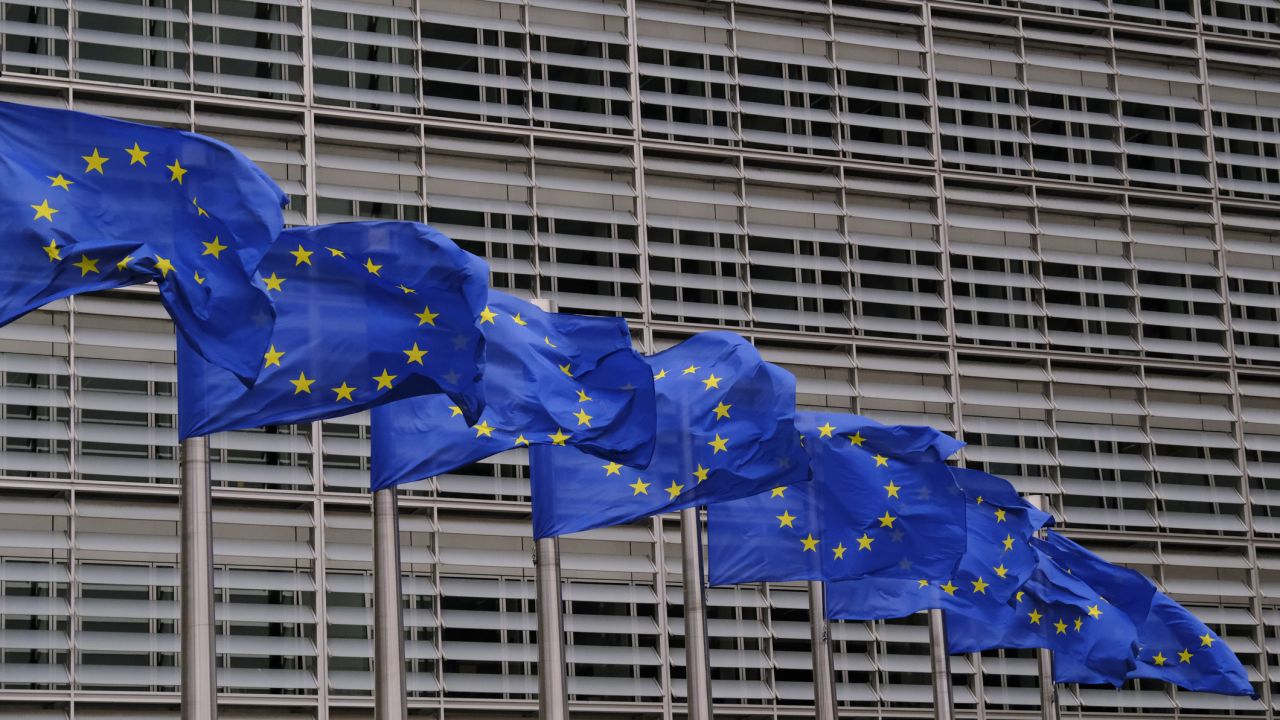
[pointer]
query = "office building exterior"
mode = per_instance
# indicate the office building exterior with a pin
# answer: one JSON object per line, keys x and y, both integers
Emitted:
{"x": 1048, "y": 226}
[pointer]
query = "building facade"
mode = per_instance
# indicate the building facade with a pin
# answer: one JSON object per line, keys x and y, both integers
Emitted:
{"x": 1050, "y": 227}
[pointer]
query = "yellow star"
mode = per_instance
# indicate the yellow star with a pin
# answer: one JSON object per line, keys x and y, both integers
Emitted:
{"x": 712, "y": 382}
{"x": 405, "y": 289}
{"x": 999, "y": 515}
{"x": 137, "y": 155}
{"x": 612, "y": 468}
{"x": 661, "y": 374}
{"x": 95, "y": 161}
{"x": 583, "y": 417}
{"x": 1079, "y": 623}
{"x": 1206, "y": 640}
{"x": 1001, "y": 571}
{"x": 547, "y": 339}
{"x": 1095, "y": 613}
{"x": 199, "y": 278}
{"x": 426, "y": 317}
{"x": 700, "y": 473}
{"x": 272, "y": 357}
{"x": 839, "y": 551}
{"x": 719, "y": 444}
{"x": 881, "y": 461}
{"x": 691, "y": 370}
{"x": 165, "y": 266}
{"x": 522, "y": 441}
{"x": 214, "y": 248}
{"x": 1060, "y": 627}
{"x": 301, "y": 255}
{"x": 864, "y": 542}
{"x": 44, "y": 211}
{"x": 559, "y": 437}
{"x": 199, "y": 210}
{"x": 674, "y": 491}
{"x": 384, "y": 380}
{"x": 810, "y": 544}
{"x": 176, "y": 172}
{"x": 415, "y": 354}
{"x": 52, "y": 250}
{"x": 302, "y": 384}
{"x": 583, "y": 397}
{"x": 1018, "y": 597}
{"x": 722, "y": 411}
{"x": 1008, "y": 542}
{"x": 785, "y": 519}
{"x": 1184, "y": 656}
{"x": 454, "y": 411}
{"x": 1159, "y": 658}
{"x": 519, "y": 320}
{"x": 778, "y": 492}
{"x": 980, "y": 585}
{"x": 856, "y": 439}
{"x": 124, "y": 264}
{"x": 483, "y": 429}
{"x": 922, "y": 583}
{"x": 825, "y": 430}
{"x": 487, "y": 315}
{"x": 61, "y": 182}
{"x": 886, "y": 520}
{"x": 344, "y": 392}
{"x": 639, "y": 487}
{"x": 892, "y": 490}
{"x": 86, "y": 265}
{"x": 566, "y": 369}
{"x": 372, "y": 268}
{"x": 1035, "y": 616}
{"x": 949, "y": 588}
{"x": 274, "y": 282}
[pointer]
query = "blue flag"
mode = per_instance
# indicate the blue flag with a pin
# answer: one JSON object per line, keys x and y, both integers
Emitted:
{"x": 1092, "y": 640}
{"x": 366, "y": 313}
{"x": 882, "y": 502}
{"x": 90, "y": 203}
{"x": 1174, "y": 646}
{"x": 549, "y": 378}
{"x": 998, "y": 559}
{"x": 725, "y": 430}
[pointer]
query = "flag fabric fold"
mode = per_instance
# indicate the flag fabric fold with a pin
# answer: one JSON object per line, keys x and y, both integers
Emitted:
{"x": 881, "y": 502}
{"x": 550, "y": 378}
{"x": 725, "y": 430}
{"x": 91, "y": 203}
{"x": 366, "y": 313}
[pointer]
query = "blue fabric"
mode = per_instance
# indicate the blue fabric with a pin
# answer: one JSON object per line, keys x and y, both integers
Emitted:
{"x": 725, "y": 430}
{"x": 366, "y": 313}
{"x": 90, "y": 203}
{"x": 997, "y": 561}
{"x": 549, "y": 378}
{"x": 882, "y": 502}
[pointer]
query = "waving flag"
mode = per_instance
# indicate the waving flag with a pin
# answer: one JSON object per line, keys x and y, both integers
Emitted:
{"x": 725, "y": 430}
{"x": 882, "y": 502}
{"x": 367, "y": 313}
{"x": 90, "y": 203}
{"x": 550, "y": 378}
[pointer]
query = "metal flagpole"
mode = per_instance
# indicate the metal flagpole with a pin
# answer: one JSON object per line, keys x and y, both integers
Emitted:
{"x": 943, "y": 708}
{"x": 553, "y": 691}
{"x": 696, "y": 653}
{"x": 824, "y": 678}
{"x": 389, "y": 699}
{"x": 1048, "y": 690}
{"x": 199, "y": 660}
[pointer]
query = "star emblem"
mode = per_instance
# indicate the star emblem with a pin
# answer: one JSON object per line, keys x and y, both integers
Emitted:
{"x": 302, "y": 256}
{"x": 1184, "y": 656}
{"x": 344, "y": 392}
{"x": 712, "y": 382}
{"x": 487, "y": 316}
{"x": 519, "y": 320}
{"x": 520, "y": 440}
{"x": 1206, "y": 640}
{"x": 810, "y": 543}
{"x": 1095, "y": 613}
{"x": 881, "y": 461}
{"x": 949, "y": 588}
{"x": 864, "y": 542}
{"x": 824, "y": 430}
{"x": 384, "y": 380}
{"x": 674, "y": 490}
{"x": 785, "y": 519}
{"x": 922, "y": 583}
{"x": 406, "y": 289}
{"x": 661, "y": 374}
{"x": 721, "y": 411}
{"x": 426, "y": 317}
{"x": 583, "y": 417}
{"x": 415, "y": 354}
{"x": 94, "y": 162}
{"x": 1008, "y": 542}
{"x": 999, "y": 515}
{"x": 302, "y": 384}
{"x": 639, "y": 487}
{"x": 272, "y": 357}
{"x": 1079, "y": 623}
{"x": 1001, "y": 571}
{"x": 612, "y": 468}
{"x": 334, "y": 252}
{"x": 43, "y": 211}
{"x": 454, "y": 411}
{"x": 719, "y": 445}
{"x": 1159, "y": 659}
{"x": 892, "y": 490}
{"x": 700, "y": 473}
{"x": 778, "y": 492}
{"x": 137, "y": 156}
{"x": 176, "y": 171}
{"x": 215, "y": 248}
{"x": 856, "y": 439}
{"x": 691, "y": 370}
{"x": 980, "y": 585}
{"x": 52, "y": 250}
{"x": 275, "y": 282}
{"x": 60, "y": 182}
{"x": 886, "y": 520}
{"x": 583, "y": 397}
{"x": 1060, "y": 627}
{"x": 165, "y": 266}
{"x": 86, "y": 265}
{"x": 559, "y": 437}
{"x": 484, "y": 429}
{"x": 565, "y": 369}
{"x": 1035, "y": 617}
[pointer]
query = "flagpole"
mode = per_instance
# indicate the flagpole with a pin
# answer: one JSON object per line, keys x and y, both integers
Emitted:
{"x": 553, "y": 691}
{"x": 389, "y": 699}
{"x": 943, "y": 708}
{"x": 199, "y": 659}
{"x": 1044, "y": 656}
{"x": 697, "y": 664}
{"x": 824, "y": 679}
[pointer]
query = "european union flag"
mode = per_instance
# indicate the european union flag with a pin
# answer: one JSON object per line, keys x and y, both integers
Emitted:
{"x": 725, "y": 430}
{"x": 882, "y": 502}
{"x": 366, "y": 313}
{"x": 1091, "y": 639}
{"x": 549, "y": 378}
{"x": 1174, "y": 645}
{"x": 998, "y": 559}
{"x": 89, "y": 203}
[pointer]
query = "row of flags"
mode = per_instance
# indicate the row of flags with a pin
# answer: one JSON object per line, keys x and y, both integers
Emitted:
{"x": 285, "y": 326}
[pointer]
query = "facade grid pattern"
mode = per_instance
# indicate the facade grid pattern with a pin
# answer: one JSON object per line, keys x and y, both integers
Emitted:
{"x": 1047, "y": 226}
